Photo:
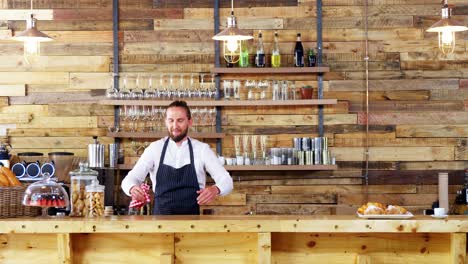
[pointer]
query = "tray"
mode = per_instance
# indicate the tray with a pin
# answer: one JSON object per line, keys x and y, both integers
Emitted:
{"x": 399, "y": 216}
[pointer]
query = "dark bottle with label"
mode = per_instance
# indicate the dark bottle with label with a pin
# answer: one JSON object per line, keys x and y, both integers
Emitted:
{"x": 312, "y": 58}
{"x": 260, "y": 56}
{"x": 299, "y": 52}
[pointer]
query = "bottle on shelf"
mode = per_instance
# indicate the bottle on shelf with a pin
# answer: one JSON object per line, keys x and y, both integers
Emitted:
{"x": 260, "y": 56}
{"x": 244, "y": 56}
{"x": 275, "y": 53}
{"x": 298, "y": 52}
{"x": 312, "y": 58}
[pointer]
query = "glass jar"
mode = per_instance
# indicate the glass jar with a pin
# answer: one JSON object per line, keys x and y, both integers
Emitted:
{"x": 95, "y": 199}
{"x": 80, "y": 178}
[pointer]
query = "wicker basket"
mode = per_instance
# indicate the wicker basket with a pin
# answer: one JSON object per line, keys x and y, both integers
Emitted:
{"x": 11, "y": 206}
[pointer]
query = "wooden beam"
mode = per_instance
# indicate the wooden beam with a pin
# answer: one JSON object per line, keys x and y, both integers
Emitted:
{"x": 166, "y": 258}
{"x": 64, "y": 247}
{"x": 264, "y": 248}
{"x": 12, "y": 89}
{"x": 457, "y": 248}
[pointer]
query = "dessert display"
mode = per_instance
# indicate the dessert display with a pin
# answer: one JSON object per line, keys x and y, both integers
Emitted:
{"x": 47, "y": 200}
{"x": 376, "y": 209}
{"x": 46, "y": 193}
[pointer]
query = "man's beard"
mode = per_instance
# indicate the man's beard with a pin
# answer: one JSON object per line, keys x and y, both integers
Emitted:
{"x": 178, "y": 138}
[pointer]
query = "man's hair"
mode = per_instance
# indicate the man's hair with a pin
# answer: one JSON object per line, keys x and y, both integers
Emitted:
{"x": 182, "y": 104}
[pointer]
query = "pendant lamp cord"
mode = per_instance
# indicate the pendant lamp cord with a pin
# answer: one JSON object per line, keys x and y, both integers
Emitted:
{"x": 31, "y": 6}
{"x": 366, "y": 59}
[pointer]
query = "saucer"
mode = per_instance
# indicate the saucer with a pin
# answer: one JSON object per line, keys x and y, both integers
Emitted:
{"x": 439, "y": 216}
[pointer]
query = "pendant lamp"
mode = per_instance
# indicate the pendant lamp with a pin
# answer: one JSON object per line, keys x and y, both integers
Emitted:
{"x": 232, "y": 38}
{"x": 31, "y": 37}
{"x": 446, "y": 28}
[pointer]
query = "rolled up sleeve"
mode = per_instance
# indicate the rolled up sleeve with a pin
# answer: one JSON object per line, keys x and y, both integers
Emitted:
{"x": 217, "y": 171}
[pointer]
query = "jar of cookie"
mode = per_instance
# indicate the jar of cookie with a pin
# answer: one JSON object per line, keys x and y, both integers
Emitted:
{"x": 79, "y": 179}
{"x": 95, "y": 199}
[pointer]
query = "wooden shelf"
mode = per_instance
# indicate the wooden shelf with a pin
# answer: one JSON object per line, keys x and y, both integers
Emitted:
{"x": 281, "y": 167}
{"x": 267, "y": 70}
{"x": 162, "y": 134}
{"x": 263, "y": 167}
{"x": 224, "y": 102}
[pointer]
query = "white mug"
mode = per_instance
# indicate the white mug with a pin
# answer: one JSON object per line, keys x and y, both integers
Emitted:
{"x": 439, "y": 211}
{"x": 229, "y": 161}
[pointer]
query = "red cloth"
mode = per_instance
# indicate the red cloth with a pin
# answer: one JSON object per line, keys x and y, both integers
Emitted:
{"x": 140, "y": 203}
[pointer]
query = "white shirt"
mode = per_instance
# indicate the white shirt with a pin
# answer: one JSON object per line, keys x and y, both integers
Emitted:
{"x": 178, "y": 156}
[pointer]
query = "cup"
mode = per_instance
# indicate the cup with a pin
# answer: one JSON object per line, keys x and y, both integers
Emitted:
{"x": 229, "y": 161}
{"x": 439, "y": 211}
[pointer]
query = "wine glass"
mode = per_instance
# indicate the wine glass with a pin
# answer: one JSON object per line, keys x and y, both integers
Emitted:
{"x": 263, "y": 86}
{"x": 136, "y": 92}
{"x": 111, "y": 92}
{"x": 227, "y": 89}
{"x": 245, "y": 148}
{"x": 150, "y": 92}
{"x": 236, "y": 84}
{"x": 263, "y": 145}
{"x": 124, "y": 92}
{"x": 250, "y": 85}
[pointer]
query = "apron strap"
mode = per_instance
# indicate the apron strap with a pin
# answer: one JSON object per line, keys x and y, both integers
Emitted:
{"x": 163, "y": 154}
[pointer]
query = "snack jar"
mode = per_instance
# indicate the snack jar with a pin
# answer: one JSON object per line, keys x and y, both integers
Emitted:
{"x": 95, "y": 199}
{"x": 79, "y": 179}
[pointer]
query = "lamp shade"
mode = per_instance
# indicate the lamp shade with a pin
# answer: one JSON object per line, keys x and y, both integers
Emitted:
{"x": 447, "y": 24}
{"x": 31, "y": 33}
{"x": 231, "y": 32}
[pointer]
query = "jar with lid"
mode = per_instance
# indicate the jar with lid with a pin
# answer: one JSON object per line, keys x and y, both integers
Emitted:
{"x": 79, "y": 179}
{"x": 95, "y": 199}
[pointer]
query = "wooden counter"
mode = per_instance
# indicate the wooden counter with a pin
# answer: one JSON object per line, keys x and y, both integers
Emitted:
{"x": 233, "y": 239}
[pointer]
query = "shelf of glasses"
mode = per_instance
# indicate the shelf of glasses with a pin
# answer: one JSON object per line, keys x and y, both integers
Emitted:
{"x": 280, "y": 167}
{"x": 224, "y": 102}
{"x": 262, "y": 167}
{"x": 271, "y": 70}
{"x": 162, "y": 134}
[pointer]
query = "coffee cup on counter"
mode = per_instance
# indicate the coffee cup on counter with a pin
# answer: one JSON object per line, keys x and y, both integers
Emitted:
{"x": 439, "y": 211}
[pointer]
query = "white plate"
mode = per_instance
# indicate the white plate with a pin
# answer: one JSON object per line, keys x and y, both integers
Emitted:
{"x": 399, "y": 216}
{"x": 439, "y": 216}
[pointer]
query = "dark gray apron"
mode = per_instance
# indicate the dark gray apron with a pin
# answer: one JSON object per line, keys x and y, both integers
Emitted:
{"x": 176, "y": 189}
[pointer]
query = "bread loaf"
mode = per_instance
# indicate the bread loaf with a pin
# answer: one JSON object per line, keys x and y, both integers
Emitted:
{"x": 11, "y": 177}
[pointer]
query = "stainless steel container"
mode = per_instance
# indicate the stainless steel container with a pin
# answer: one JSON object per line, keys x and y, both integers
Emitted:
{"x": 113, "y": 154}
{"x": 96, "y": 154}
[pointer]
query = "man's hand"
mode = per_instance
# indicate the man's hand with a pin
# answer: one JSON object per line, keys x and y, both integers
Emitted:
{"x": 207, "y": 195}
{"x": 137, "y": 193}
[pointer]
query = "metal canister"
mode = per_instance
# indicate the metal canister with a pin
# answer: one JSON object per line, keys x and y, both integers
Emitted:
{"x": 318, "y": 143}
{"x": 317, "y": 157}
{"x": 96, "y": 154}
{"x": 297, "y": 143}
{"x": 324, "y": 143}
{"x": 113, "y": 154}
{"x": 306, "y": 145}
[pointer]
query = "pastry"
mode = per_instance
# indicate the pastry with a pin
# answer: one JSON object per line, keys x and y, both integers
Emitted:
{"x": 395, "y": 210}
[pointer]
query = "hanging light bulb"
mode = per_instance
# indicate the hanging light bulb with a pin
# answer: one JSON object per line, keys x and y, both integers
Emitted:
{"x": 232, "y": 38}
{"x": 31, "y": 37}
{"x": 446, "y": 28}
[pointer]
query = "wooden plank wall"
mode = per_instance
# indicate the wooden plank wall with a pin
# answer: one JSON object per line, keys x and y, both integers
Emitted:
{"x": 418, "y": 97}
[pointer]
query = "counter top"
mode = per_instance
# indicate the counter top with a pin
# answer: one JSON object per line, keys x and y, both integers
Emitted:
{"x": 236, "y": 224}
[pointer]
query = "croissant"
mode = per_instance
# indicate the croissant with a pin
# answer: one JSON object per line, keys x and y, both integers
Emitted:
{"x": 372, "y": 208}
{"x": 395, "y": 209}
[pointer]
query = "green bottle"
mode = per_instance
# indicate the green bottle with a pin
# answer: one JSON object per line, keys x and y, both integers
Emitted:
{"x": 244, "y": 56}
